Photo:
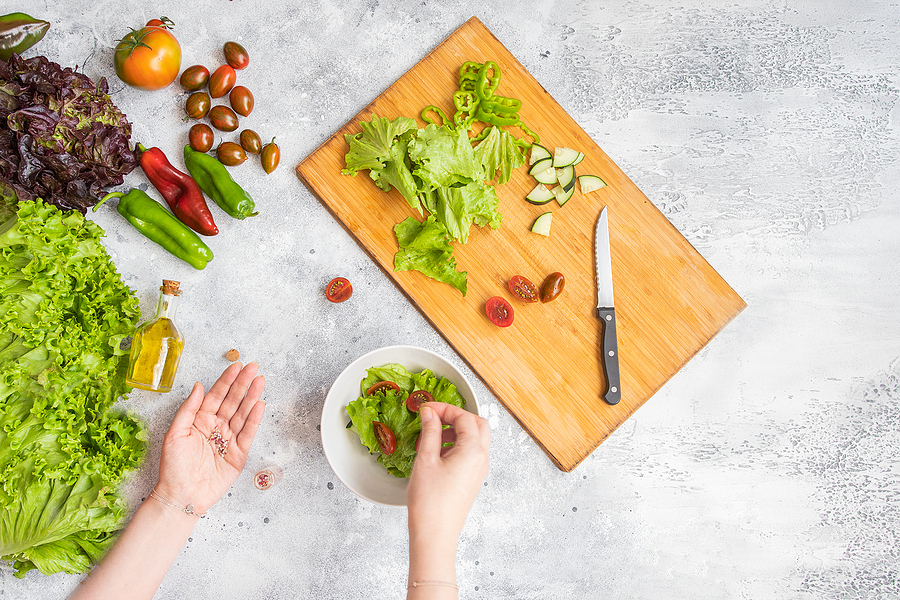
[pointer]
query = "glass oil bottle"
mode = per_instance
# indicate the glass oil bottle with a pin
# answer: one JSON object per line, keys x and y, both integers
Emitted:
{"x": 156, "y": 345}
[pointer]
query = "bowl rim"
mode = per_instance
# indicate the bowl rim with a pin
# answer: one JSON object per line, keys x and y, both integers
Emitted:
{"x": 332, "y": 403}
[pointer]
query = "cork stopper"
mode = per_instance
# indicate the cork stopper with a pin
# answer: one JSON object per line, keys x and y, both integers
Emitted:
{"x": 170, "y": 287}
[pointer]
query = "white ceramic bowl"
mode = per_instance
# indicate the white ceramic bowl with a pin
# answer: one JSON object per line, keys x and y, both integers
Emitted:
{"x": 349, "y": 459}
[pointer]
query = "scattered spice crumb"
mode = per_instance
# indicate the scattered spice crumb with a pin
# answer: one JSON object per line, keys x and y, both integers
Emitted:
{"x": 232, "y": 355}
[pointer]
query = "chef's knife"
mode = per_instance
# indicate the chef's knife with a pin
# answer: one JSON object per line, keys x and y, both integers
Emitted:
{"x": 606, "y": 310}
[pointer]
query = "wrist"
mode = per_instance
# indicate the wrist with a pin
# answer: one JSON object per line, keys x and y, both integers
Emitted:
{"x": 432, "y": 557}
{"x": 168, "y": 512}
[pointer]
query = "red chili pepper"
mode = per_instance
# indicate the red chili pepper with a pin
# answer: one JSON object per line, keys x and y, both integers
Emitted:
{"x": 181, "y": 192}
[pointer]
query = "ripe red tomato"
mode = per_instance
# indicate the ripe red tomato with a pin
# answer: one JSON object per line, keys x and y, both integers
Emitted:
{"x": 415, "y": 400}
{"x": 382, "y": 386}
{"x": 387, "y": 441}
{"x": 221, "y": 81}
{"x": 499, "y": 311}
{"x": 149, "y": 58}
{"x": 523, "y": 289}
{"x": 338, "y": 289}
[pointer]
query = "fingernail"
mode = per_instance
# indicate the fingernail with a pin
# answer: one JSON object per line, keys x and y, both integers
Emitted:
{"x": 426, "y": 413}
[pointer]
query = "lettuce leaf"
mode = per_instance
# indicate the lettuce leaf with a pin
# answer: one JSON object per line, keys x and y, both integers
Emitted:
{"x": 64, "y": 312}
{"x": 390, "y": 408}
{"x": 499, "y": 152}
{"x": 381, "y": 147}
{"x": 425, "y": 247}
{"x": 459, "y": 207}
{"x": 444, "y": 157}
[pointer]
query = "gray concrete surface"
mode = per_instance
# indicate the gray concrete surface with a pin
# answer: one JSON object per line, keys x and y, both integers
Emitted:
{"x": 766, "y": 131}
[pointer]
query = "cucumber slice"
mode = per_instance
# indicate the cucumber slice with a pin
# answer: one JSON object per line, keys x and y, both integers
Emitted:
{"x": 538, "y": 152}
{"x": 563, "y": 157}
{"x": 579, "y": 159}
{"x": 547, "y": 176}
{"x": 540, "y": 195}
{"x": 590, "y": 183}
{"x": 562, "y": 194}
{"x": 542, "y": 224}
{"x": 566, "y": 177}
{"x": 541, "y": 165}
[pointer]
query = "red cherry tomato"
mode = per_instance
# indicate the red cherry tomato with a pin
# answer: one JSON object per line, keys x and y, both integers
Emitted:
{"x": 221, "y": 81}
{"x": 338, "y": 289}
{"x": 499, "y": 311}
{"x": 415, "y": 400}
{"x": 386, "y": 438}
{"x": 523, "y": 289}
{"x": 383, "y": 386}
{"x": 236, "y": 55}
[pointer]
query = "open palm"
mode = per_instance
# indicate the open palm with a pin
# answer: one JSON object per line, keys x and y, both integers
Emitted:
{"x": 195, "y": 469}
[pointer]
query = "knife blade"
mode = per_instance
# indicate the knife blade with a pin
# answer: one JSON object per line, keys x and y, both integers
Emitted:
{"x": 606, "y": 311}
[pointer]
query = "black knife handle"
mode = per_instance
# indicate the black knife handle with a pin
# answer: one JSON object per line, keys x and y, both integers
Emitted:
{"x": 610, "y": 350}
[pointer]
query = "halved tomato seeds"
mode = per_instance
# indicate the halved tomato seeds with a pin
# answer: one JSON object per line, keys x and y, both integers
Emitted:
{"x": 338, "y": 289}
{"x": 387, "y": 441}
{"x": 499, "y": 311}
{"x": 415, "y": 400}
{"x": 383, "y": 386}
{"x": 523, "y": 289}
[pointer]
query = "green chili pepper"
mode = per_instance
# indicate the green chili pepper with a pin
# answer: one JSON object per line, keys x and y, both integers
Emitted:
{"x": 496, "y": 118}
{"x": 436, "y": 110}
{"x": 486, "y": 84}
{"x": 217, "y": 183}
{"x": 19, "y": 32}
{"x": 501, "y": 104}
{"x": 465, "y": 103}
{"x": 159, "y": 225}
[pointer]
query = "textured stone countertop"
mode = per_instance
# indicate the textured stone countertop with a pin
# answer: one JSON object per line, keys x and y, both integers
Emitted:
{"x": 767, "y": 133}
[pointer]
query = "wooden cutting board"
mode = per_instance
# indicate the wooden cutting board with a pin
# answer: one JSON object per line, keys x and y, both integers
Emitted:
{"x": 545, "y": 367}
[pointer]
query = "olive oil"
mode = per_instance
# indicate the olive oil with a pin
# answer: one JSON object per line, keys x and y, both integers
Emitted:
{"x": 156, "y": 345}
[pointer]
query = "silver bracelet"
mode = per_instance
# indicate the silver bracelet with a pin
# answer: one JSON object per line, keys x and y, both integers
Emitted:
{"x": 189, "y": 509}
{"x": 416, "y": 584}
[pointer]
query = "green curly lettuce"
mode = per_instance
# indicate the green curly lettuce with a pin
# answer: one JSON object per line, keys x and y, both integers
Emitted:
{"x": 425, "y": 247}
{"x": 389, "y": 407}
{"x": 64, "y": 450}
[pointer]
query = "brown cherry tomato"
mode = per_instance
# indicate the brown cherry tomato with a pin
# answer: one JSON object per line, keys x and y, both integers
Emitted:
{"x": 236, "y": 55}
{"x": 251, "y": 142}
{"x": 552, "y": 287}
{"x": 194, "y": 78}
{"x": 415, "y": 400}
{"x": 338, "y": 289}
{"x": 223, "y": 118}
{"x": 241, "y": 100}
{"x": 523, "y": 289}
{"x": 270, "y": 156}
{"x": 201, "y": 137}
{"x": 499, "y": 311}
{"x": 383, "y": 387}
{"x": 197, "y": 105}
{"x": 387, "y": 441}
{"x": 230, "y": 154}
{"x": 221, "y": 81}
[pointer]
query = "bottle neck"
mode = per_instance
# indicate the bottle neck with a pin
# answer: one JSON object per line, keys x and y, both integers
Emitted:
{"x": 168, "y": 304}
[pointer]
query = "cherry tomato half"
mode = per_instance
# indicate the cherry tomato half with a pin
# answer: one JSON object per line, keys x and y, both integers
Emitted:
{"x": 499, "y": 311}
{"x": 201, "y": 137}
{"x": 552, "y": 287}
{"x": 148, "y": 59}
{"x": 338, "y": 289}
{"x": 382, "y": 386}
{"x": 236, "y": 56}
{"x": 523, "y": 289}
{"x": 387, "y": 441}
{"x": 415, "y": 400}
{"x": 221, "y": 81}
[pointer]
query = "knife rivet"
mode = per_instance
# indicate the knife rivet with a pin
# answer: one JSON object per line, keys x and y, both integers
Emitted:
{"x": 612, "y": 353}
{"x": 609, "y": 317}
{"x": 614, "y": 390}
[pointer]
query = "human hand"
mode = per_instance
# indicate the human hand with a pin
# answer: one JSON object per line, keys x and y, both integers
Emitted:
{"x": 191, "y": 469}
{"x": 445, "y": 481}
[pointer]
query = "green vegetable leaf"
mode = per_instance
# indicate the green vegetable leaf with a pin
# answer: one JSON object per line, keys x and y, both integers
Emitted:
{"x": 444, "y": 157}
{"x": 64, "y": 448}
{"x": 390, "y": 408}
{"x": 425, "y": 247}
{"x": 499, "y": 151}
{"x": 381, "y": 147}
{"x": 459, "y": 207}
